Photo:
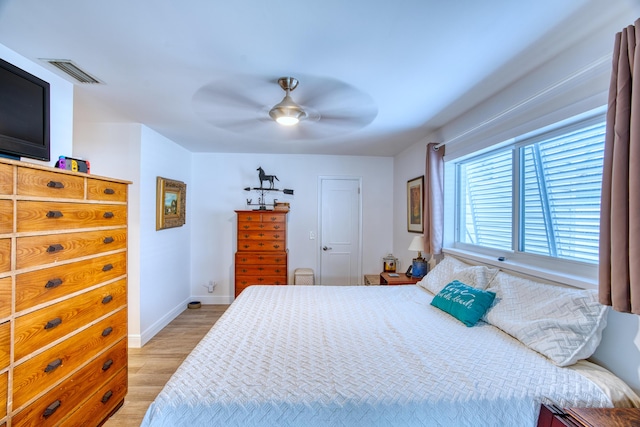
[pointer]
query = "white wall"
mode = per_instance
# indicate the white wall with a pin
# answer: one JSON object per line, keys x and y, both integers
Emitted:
{"x": 61, "y": 105}
{"x": 164, "y": 254}
{"x": 114, "y": 150}
{"x": 407, "y": 165}
{"x": 217, "y": 186}
{"x": 158, "y": 261}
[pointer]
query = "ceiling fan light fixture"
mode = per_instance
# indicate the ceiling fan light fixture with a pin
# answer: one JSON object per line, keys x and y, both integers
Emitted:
{"x": 287, "y": 112}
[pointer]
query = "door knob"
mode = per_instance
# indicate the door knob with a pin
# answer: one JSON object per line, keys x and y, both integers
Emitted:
{"x": 324, "y": 248}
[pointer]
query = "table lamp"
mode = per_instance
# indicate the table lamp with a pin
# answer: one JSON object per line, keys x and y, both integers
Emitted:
{"x": 419, "y": 266}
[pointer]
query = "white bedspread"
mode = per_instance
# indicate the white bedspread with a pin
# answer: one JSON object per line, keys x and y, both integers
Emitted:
{"x": 359, "y": 356}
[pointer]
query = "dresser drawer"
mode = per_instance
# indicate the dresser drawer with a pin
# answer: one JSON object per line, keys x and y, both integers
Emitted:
{"x": 37, "y": 329}
{"x": 5, "y": 255}
{"x": 5, "y": 344}
{"x": 261, "y": 270}
{"x": 264, "y": 217}
{"x": 261, "y": 245}
{"x": 44, "y": 285}
{"x": 5, "y": 297}
{"x": 33, "y": 182}
{"x": 6, "y": 216}
{"x": 262, "y": 235}
{"x": 40, "y": 250}
{"x": 260, "y": 226}
{"x": 3, "y": 394}
{"x": 6, "y": 179}
{"x": 98, "y": 189}
{"x": 41, "y": 372}
{"x": 46, "y": 216}
{"x": 260, "y": 280}
{"x": 101, "y": 404}
{"x": 251, "y": 258}
{"x": 62, "y": 401}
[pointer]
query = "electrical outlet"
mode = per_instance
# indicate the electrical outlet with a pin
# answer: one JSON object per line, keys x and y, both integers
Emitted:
{"x": 312, "y": 235}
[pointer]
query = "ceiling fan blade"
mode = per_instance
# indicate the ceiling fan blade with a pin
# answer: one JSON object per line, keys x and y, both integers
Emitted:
{"x": 224, "y": 96}
{"x": 321, "y": 94}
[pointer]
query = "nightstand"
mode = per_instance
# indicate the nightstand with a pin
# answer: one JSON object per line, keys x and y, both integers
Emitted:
{"x": 552, "y": 416}
{"x": 402, "y": 279}
{"x": 371, "y": 279}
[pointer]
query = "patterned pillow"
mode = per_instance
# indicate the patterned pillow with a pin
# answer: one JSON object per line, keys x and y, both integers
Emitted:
{"x": 450, "y": 269}
{"x": 465, "y": 303}
{"x": 563, "y": 324}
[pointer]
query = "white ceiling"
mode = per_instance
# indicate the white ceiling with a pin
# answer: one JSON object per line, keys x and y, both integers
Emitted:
{"x": 417, "y": 63}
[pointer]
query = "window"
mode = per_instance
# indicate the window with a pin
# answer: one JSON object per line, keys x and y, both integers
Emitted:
{"x": 537, "y": 196}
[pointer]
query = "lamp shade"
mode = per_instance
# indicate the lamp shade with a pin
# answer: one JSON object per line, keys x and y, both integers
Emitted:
{"x": 417, "y": 244}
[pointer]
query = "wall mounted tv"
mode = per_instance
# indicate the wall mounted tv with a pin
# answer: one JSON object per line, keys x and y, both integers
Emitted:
{"x": 24, "y": 114}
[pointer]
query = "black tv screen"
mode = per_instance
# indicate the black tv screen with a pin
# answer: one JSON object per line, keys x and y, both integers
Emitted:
{"x": 24, "y": 114}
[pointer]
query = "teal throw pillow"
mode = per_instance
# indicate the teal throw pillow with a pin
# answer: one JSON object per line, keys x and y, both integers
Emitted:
{"x": 463, "y": 302}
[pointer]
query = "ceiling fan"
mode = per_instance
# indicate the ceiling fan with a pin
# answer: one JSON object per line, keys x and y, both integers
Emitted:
{"x": 323, "y": 108}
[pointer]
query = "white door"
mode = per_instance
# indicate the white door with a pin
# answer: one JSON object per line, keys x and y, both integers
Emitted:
{"x": 340, "y": 231}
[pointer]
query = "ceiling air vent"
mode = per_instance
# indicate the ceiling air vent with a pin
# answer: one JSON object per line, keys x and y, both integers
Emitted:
{"x": 73, "y": 70}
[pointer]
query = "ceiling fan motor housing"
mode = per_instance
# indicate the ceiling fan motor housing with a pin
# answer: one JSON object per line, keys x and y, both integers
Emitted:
{"x": 287, "y": 112}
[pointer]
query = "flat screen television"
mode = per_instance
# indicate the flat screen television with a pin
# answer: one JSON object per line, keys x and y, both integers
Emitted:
{"x": 24, "y": 114}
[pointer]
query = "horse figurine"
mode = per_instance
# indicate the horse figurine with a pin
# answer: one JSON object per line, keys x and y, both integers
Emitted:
{"x": 264, "y": 177}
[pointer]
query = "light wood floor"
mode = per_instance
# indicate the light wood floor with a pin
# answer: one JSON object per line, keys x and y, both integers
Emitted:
{"x": 151, "y": 366}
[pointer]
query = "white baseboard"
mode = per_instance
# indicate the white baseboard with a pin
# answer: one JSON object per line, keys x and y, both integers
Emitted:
{"x": 213, "y": 299}
{"x": 139, "y": 340}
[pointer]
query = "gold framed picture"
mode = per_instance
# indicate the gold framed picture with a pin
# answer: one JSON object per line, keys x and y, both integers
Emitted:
{"x": 415, "y": 194}
{"x": 171, "y": 202}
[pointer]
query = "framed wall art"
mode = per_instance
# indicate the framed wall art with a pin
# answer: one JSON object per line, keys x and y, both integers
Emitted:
{"x": 415, "y": 204}
{"x": 171, "y": 203}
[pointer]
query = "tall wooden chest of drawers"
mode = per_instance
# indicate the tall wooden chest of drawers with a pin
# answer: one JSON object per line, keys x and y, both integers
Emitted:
{"x": 63, "y": 296}
{"x": 261, "y": 258}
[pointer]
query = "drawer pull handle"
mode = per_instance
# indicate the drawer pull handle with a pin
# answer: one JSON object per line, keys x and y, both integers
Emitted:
{"x": 109, "y": 191}
{"x": 55, "y": 248}
{"x": 108, "y": 215}
{"x": 107, "y": 364}
{"x": 277, "y": 227}
{"x": 53, "y": 323}
{"x": 108, "y": 240}
{"x": 107, "y": 299}
{"x": 51, "y": 409}
{"x": 54, "y": 214}
{"x": 53, "y": 365}
{"x": 107, "y": 267}
{"x": 106, "y": 396}
{"x": 55, "y": 184}
{"x": 53, "y": 283}
{"x": 107, "y": 331}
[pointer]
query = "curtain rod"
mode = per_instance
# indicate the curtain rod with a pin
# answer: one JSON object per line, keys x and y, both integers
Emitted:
{"x": 532, "y": 98}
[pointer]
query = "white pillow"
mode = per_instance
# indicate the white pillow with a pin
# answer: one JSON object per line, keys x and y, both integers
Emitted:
{"x": 563, "y": 324}
{"x": 450, "y": 269}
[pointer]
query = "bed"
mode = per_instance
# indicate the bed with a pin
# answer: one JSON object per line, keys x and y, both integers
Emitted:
{"x": 377, "y": 356}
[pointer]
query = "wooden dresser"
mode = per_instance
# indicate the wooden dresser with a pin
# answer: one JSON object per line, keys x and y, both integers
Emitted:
{"x": 63, "y": 296}
{"x": 261, "y": 258}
